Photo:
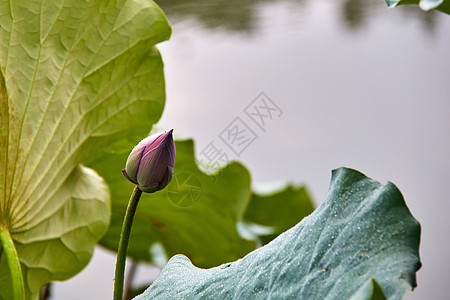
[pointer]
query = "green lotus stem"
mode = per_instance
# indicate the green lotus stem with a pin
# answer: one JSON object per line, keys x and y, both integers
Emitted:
{"x": 123, "y": 243}
{"x": 13, "y": 264}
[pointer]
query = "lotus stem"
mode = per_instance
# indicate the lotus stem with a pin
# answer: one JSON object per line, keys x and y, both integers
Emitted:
{"x": 123, "y": 243}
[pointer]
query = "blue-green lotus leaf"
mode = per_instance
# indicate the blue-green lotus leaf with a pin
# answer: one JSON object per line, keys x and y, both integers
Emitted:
{"x": 363, "y": 231}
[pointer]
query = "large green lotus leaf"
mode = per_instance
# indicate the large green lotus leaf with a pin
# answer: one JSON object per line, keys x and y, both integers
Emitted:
{"x": 79, "y": 80}
{"x": 441, "y": 5}
{"x": 363, "y": 231}
{"x": 196, "y": 215}
{"x": 278, "y": 211}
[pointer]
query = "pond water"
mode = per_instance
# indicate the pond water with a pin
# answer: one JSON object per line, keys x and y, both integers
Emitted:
{"x": 356, "y": 84}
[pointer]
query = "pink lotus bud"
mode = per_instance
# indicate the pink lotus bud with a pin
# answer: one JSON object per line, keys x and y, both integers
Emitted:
{"x": 150, "y": 163}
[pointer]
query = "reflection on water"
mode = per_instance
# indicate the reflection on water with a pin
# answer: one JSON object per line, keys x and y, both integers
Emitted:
{"x": 232, "y": 15}
{"x": 242, "y": 15}
{"x": 355, "y": 14}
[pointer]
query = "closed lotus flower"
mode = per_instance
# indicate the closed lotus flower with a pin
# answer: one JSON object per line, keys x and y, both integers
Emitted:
{"x": 150, "y": 163}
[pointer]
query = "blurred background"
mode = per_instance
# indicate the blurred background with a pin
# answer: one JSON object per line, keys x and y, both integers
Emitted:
{"x": 358, "y": 84}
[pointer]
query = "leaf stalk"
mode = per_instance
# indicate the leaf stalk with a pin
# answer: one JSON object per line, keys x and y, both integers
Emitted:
{"x": 13, "y": 262}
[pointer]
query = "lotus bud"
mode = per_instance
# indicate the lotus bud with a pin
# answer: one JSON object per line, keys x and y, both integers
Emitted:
{"x": 150, "y": 163}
